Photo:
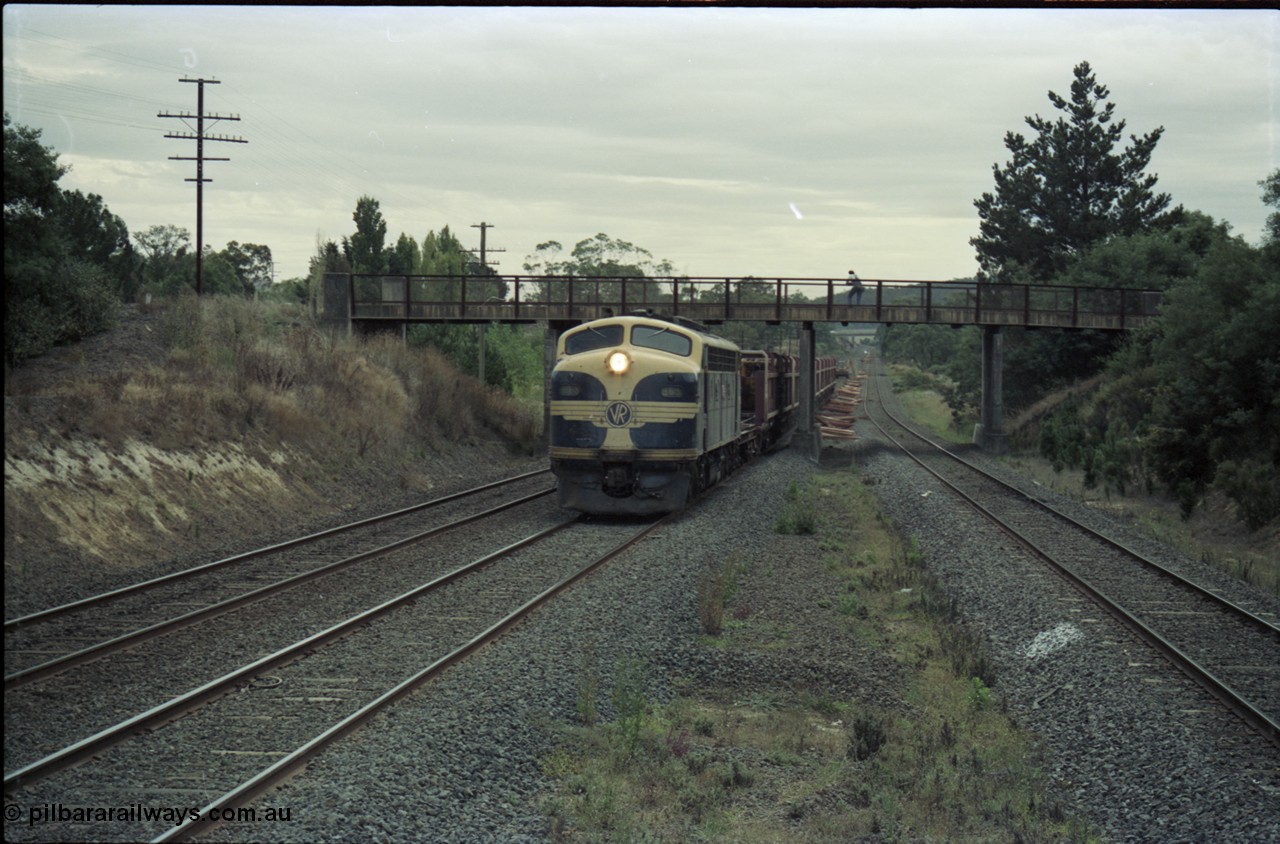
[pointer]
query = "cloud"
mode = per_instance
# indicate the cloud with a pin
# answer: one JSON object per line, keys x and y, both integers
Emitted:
{"x": 691, "y": 132}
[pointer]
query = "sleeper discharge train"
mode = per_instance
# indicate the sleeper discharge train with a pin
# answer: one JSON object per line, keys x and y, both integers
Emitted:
{"x": 647, "y": 412}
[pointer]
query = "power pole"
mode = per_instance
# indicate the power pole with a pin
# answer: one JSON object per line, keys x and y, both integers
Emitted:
{"x": 484, "y": 263}
{"x": 200, "y": 158}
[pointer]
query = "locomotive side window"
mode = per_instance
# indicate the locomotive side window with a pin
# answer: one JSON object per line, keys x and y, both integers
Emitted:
{"x": 663, "y": 339}
{"x": 595, "y": 337}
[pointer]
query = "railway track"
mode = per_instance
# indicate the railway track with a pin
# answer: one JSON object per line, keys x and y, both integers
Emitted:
{"x": 222, "y": 744}
{"x": 45, "y": 643}
{"x": 1229, "y": 649}
{"x": 45, "y": 714}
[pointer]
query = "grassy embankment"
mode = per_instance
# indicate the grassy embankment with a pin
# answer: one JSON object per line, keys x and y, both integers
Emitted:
{"x": 233, "y": 368}
{"x": 204, "y": 417}
{"x": 944, "y": 763}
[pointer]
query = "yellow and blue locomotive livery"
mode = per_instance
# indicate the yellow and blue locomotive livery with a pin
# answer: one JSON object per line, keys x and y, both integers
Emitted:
{"x": 644, "y": 412}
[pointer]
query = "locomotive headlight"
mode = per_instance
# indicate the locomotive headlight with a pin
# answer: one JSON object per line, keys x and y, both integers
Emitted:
{"x": 618, "y": 363}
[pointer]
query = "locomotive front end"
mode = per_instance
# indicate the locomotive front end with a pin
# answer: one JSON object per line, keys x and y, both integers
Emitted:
{"x": 625, "y": 423}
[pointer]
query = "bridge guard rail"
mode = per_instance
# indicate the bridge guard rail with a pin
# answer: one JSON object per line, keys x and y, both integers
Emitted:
{"x": 442, "y": 298}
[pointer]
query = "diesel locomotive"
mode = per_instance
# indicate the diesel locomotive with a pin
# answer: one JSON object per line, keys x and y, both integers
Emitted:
{"x": 646, "y": 412}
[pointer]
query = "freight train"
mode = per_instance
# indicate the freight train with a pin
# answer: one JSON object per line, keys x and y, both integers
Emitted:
{"x": 647, "y": 411}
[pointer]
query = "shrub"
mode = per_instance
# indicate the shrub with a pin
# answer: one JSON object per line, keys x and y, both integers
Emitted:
{"x": 711, "y": 601}
{"x": 798, "y": 516}
{"x": 630, "y": 702}
{"x": 63, "y": 302}
{"x": 868, "y": 733}
{"x": 1254, "y": 487}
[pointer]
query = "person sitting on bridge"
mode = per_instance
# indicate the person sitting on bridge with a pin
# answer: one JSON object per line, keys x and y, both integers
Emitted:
{"x": 855, "y": 289}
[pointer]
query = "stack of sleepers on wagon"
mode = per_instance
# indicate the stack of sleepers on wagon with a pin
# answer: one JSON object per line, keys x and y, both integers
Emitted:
{"x": 836, "y": 419}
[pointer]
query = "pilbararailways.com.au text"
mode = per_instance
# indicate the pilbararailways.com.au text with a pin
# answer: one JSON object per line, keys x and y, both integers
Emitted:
{"x": 47, "y": 813}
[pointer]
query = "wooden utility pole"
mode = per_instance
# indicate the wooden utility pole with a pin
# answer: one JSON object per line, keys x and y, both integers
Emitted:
{"x": 484, "y": 263}
{"x": 200, "y": 158}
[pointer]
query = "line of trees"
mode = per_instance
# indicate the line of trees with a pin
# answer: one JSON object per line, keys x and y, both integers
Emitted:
{"x": 1187, "y": 405}
{"x": 69, "y": 262}
{"x": 169, "y": 265}
{"x": 366, "y": 251}
{"x": 513, "y": 356}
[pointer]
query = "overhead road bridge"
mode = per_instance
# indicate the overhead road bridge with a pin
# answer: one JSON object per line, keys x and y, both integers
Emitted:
{"x": 364, "y": 303}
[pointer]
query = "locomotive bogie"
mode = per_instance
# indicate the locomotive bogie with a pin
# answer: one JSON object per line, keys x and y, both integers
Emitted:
{"x": 626, "y": 488}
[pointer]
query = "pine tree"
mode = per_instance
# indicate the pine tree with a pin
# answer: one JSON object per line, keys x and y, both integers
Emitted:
{"x": 1067, "y": 189}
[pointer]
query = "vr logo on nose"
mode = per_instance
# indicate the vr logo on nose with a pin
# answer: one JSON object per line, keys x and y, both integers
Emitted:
{"x": 618, "y": 414}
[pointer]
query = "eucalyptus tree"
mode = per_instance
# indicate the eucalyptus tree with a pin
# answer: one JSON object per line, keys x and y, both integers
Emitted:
{"x": 55, "y": 291}
{"x": 598, "y": 257}
{"x": 164, "y": 251}
{"x": 252, "y": 264}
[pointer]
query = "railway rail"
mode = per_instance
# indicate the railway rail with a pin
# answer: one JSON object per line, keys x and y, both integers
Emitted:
{"x": 1229, "y": 649}
{"x": 91, "y": 628}
{"x": 46, "y": 714}
{"x": 287, "y": 706}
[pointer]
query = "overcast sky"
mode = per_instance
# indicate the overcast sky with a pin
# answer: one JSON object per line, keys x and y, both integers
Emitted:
{"x": 730, "y": 141}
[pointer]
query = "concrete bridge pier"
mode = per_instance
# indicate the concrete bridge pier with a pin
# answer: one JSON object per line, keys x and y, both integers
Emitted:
{"x": 806, "y": 381}
{"x": 807, "y": 424}
{"x": 989, "y": 433}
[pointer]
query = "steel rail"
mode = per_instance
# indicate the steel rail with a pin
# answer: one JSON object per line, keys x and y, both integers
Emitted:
{"x": 137, "y": 637}
{"x": 1181, "y": 580}
{"x": 184, "y": 703}
{"x": 289, "y": 765}
{"x": 1257, "y": 720}
{"x": 53, "y": 612}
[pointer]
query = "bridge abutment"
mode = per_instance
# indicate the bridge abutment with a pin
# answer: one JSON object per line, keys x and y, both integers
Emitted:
{"x": 335, "y": 296}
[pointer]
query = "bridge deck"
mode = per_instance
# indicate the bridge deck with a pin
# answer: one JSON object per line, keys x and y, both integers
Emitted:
{"x": 513, "y": 299}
